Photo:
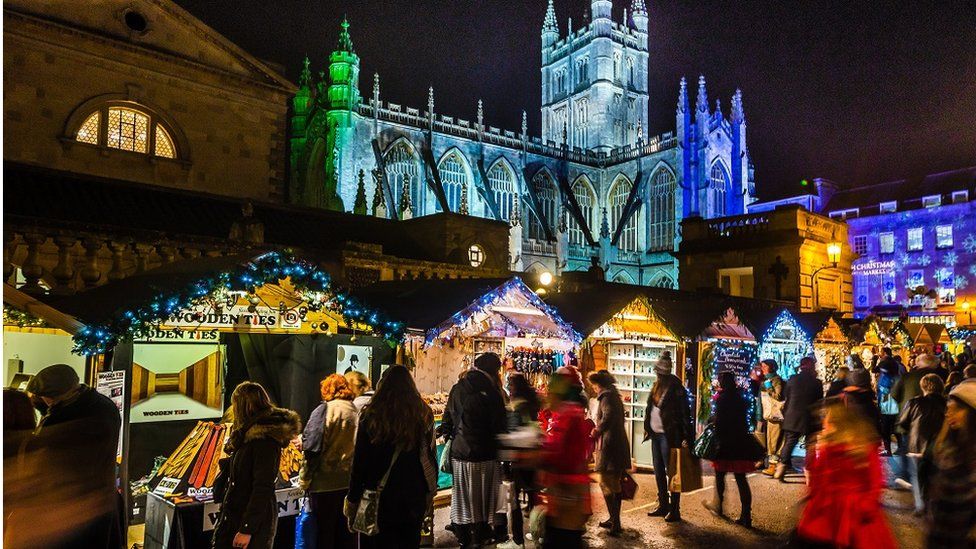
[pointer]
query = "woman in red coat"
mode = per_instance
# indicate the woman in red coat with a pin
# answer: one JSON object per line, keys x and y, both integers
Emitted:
{"x": 846, "y": 481}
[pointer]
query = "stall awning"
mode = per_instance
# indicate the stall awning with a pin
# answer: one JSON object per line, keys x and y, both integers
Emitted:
{"x": 272, "y": 292}
{"x": 471, "y": 307}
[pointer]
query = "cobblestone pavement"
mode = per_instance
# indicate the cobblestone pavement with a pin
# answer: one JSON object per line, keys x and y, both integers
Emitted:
{"x": 775, "y": 512}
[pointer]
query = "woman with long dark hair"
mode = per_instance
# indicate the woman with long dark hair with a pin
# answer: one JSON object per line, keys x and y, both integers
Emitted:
{"x": 395, "y": 437}
{"x": 613, "y": 447}
{"x": 249, "y": 511}
{"x": 952, "y": 502}
{"x": 738, "y": 450}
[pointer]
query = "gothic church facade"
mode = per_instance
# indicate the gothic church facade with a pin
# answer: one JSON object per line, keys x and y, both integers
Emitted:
{"x": 591, "y": 188}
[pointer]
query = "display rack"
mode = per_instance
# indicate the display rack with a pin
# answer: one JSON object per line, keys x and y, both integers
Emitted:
{"x": 632, "y": 363}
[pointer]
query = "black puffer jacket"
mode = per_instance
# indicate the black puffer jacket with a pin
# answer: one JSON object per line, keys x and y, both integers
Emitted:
{"x": 675, "y": 411}
{"x": 475, "y": 415}
{"x": 249, "y": 505}
{"x": 922, "y": 419}
{"x": 732, "y": 428}
{"x": 803, "y": 391}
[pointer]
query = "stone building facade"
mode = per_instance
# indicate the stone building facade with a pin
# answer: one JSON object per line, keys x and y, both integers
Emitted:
{"x": 141, "y": 90}
{"x": 782, "y": 254}
{"x": 592, "y": 186}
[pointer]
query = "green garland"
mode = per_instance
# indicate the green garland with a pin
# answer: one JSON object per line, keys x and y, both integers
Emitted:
{"x": 16, "y": 317}
{"x": 268, "y": 268}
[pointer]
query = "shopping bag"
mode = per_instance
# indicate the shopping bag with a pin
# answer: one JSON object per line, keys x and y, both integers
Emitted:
{"x": 628, "y": 487}
{"x": 706, "y": 446}
{"x": 687, "y": 475}
{"x": 306, "y": 533}
{"x": 445, "y": 464}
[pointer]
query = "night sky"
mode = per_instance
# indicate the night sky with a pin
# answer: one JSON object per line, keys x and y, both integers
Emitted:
{"x": 858, "y": 92}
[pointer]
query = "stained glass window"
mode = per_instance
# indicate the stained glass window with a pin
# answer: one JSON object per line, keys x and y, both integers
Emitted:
{"x": 662, "y": 210}
{"x": 713, "y": 197}
{"x": 502, "y": 183}
{"x": 88, "y": 132}
{"x": 402, "y": 165}
{"x": 585, "y": 199}
{"x": 618, "y": 201}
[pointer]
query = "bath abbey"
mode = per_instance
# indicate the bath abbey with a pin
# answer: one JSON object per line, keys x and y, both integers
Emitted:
{"x": 597, "y": 187}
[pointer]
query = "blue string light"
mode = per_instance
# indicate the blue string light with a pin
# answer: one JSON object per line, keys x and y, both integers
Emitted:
{"x": 267, "y": 268}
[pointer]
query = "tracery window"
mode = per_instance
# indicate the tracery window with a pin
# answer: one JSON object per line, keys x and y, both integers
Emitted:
{"x": 127, "y": 128}
{"x": 401, "y": 165}
{"x": 618, "y": 201}
{"x": 713, "y": 196}
{"x": 586, "y": 200}
{"x": 503, "y": 187}
{"x": 582, "y": 122}
{"x": 662, "y": 210}
{"x": 545, "y": 191}
{"x": 454, "y": 177}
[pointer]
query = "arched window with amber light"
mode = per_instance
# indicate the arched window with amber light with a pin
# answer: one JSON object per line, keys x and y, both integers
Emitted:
{"x": 128, "y": 127}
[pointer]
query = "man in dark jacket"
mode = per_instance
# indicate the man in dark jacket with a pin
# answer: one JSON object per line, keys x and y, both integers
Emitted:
{"x": 887, "y": 363}
{"x": 474, "y": 417}
{"x": 74, "y": 453}
{"x": 907, "y": 386}
{"x": 839, "y": 383}
{"x": 803, "y": 391}
{"x": 667, "y": 424}
{"x": 922, "y": 420}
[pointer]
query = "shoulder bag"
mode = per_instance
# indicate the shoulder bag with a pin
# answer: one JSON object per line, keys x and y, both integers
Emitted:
{"x": 706, "y": 446}
{"x": 367, "y": 514}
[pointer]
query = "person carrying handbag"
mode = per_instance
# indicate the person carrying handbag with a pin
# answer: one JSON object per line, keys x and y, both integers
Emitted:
{"x": 772, "y": 405}
{"x": 394, "y": 466}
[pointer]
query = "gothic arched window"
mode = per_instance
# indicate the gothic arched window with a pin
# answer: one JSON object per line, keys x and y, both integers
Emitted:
{"x": 616, "y": 66}
{"x": 586, "y": 200}
{"x": 618, "y": 201}
{"x": 454, "y": 178}
{"x": 630, "y": 70}
{"x": 503, "y": 187}
{"x": 581, "y": 122}
{"x": 402, "y": 164}
{"x": 128, "y": 128}
{"x": 545, "y": 191}
{"x": 714, "y": 195}
{"x": 662, "y": 210}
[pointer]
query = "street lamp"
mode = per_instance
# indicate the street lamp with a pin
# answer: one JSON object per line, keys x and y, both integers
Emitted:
{"x": 833, "y": 256}
{"x": 545, "y": 278}
{"x": 966, "y": 309}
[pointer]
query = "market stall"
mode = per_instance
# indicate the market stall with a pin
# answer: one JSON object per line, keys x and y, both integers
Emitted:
{"x": 786, "y": 341}
{"x": 625, "y": 336}
{"x": 962, "y": 337}
{"x": 831, "y": 346}
{"x": 877, "y": 334}
{"x": 178, "y": 340}
{"x": 927, "y": 337}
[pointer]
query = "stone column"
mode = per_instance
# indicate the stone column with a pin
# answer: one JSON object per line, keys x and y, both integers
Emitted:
{"x": 90, "y": 273}
{"x": 117, "y": 272}
{"x": 64, "y": 271}
{"x": 32, "y": 268}
{"x": 142, "y": 253}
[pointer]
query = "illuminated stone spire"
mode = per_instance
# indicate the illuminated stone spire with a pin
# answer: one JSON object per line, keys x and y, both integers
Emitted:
{"x": 379, "y": 205}
{"x": 525, "y": 125}
{"x": 702, "y": 101}
{"x": 638, "y": 7}
{"x": 683, "y": 96}
{"x": 430, "y": 100}
{"x": 305, "y": 80}
{"x": 549, "y": 24}
{"x": 718, "y": 108}
{"x": 359, "y": 206}
{"x": 376, "y": 85}
{"x": 738, "y": 114}
{"x": 345, "y": 41}
{"x": 516, "y": 219}
{"x": 640, "y": 132}
{"x": 604, "y": 225}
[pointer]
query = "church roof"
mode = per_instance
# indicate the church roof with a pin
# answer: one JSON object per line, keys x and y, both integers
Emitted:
{"x": 942, "y": 183}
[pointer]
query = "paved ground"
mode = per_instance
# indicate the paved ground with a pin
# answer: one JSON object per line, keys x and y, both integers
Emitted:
{"x": 775, "y": 511}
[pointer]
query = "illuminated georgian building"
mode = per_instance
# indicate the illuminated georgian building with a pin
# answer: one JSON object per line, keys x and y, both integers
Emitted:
{"x": 595, "y": 184}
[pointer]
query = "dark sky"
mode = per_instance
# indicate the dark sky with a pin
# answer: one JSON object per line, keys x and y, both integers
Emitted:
{"x": 856, "y": 91}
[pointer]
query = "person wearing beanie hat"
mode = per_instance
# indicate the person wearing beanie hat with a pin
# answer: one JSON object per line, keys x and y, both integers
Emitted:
{"x": 952, "y": 494}
{"x": 474, "y": 417}
{"x": 668, "y": 425}
{"x": 74, "y": 450}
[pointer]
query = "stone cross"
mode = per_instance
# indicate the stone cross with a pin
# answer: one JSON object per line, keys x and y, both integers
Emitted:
{"x": 779, "y": 270}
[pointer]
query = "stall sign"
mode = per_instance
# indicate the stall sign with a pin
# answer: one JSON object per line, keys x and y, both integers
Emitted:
{"x": 873, "y": 267}
{"x": 166, "y": 487}
{"x": 290, "y": 502}
{"x": 238, "y": 318}
{"x": 184, "y": 336}
{"x": 176, "y": 381}
{"x": 112, "y": 385}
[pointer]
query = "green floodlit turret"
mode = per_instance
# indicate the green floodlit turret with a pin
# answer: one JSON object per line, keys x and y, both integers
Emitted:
{"x": 344, "y": 74}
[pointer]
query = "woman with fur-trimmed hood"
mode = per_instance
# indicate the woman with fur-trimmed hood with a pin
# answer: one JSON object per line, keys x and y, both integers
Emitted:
{"x": 248, "y": 511}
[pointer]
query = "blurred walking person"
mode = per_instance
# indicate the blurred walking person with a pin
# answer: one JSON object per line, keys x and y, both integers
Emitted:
{"x": 327, "y": 466}
{"x": 846, "y": 482}
{"x": 922, "y": 420}
{"x": 888, "y": 406}
{"x": 249, "y": 509}
{"x": 473, "y": 418}
{"x": 952, "y": 502}
{"x": 523, "y": 413}
{"x": 564, "y": 465}
{"x": 772, "y": 408}
{"x": 839, "y": 382}
{"x": 803, "y": 391}
{"x": 738, "y": 450}
{"x": 612, "y": 445}
{"x": 668, "y": 425}
{"x": 67, "y": 495}
{"x": 395, "y": 442}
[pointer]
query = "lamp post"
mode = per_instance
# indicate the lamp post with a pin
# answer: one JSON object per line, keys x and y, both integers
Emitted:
{"x": 967, "y": 308}
{"x": 833, "y": 256}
